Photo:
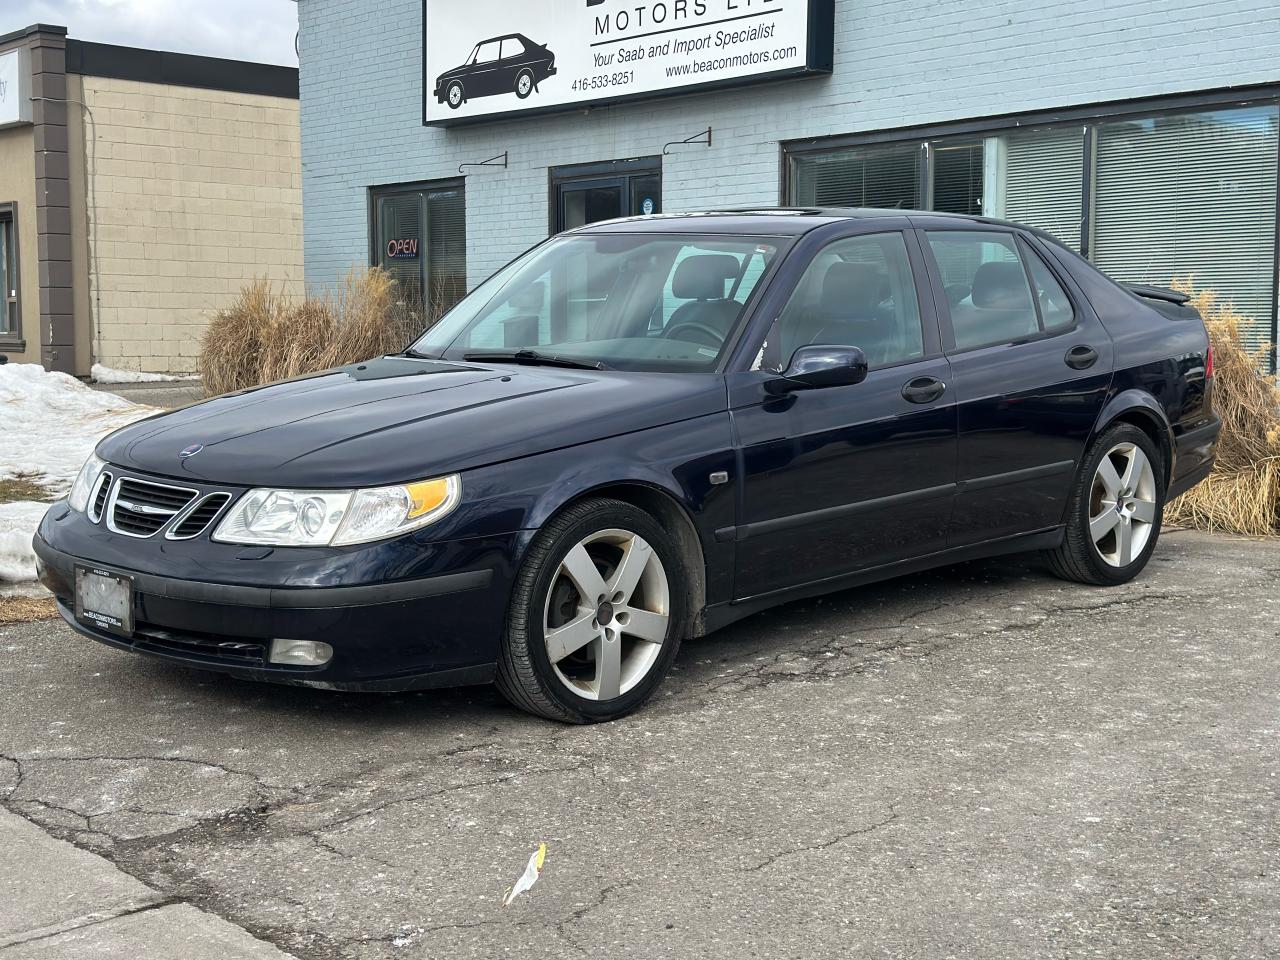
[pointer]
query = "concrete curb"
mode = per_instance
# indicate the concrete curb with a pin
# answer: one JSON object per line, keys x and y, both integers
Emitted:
{"x": 57, "y": 900}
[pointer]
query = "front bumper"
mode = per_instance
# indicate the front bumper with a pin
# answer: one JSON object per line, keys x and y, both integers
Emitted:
{"x": 430, "y": 631}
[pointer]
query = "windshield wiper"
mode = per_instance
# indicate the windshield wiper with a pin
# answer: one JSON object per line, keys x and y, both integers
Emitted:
{"x": 417, "y": 354}
{"x": 533, "y": 358}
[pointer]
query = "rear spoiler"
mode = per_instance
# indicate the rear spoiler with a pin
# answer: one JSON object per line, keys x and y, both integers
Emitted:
{"x": 1157, "y": 293}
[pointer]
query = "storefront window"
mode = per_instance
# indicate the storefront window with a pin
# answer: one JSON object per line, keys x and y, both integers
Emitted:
{"x": 8, "y": 275}
{"x": 1192, "y": 195}
{"x": 1149, "y": 198}
{"x": 420, "y": 238}
{"x": 885, "y": 175}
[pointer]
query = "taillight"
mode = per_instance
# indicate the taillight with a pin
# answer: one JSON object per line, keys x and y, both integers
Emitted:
{"x": 1208, "y": 363}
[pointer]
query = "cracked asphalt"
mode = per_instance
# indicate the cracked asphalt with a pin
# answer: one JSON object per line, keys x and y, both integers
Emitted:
{"x": 979, "y": 762}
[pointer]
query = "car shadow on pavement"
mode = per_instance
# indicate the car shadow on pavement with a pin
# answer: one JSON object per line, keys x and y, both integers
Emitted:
{"x": 792, "y": 640}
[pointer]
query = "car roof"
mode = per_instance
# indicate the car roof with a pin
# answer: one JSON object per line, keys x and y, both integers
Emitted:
{"x": 772, "y": 221}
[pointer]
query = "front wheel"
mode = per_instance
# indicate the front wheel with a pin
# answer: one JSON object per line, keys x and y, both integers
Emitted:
{"x": 1115, "y": 510}
{"x": 454, "y": 95}
{"x": 594, "y": 623}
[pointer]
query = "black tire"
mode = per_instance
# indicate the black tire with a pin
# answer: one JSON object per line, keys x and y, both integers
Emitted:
{"x": 525, "y": 674}
{"x": 1078, "y": 558}
{"x": 533, "y": 84}
{"x": 449, "y": 98}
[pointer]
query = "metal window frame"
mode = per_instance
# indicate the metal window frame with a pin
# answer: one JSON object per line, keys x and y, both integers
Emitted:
{"x": 1089, "y": 116}
{"x": 420, "y": 187}
{"x": 13, "y": 340}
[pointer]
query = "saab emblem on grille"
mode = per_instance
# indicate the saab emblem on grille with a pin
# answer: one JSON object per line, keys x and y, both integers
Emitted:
{"x": 191, "y": 451}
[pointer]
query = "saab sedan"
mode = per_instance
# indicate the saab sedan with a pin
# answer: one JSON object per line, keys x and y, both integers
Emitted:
{"x": 639, "y": 432}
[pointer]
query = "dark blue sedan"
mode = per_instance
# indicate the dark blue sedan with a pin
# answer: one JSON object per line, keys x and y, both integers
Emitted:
{"x": 638, "y": 432}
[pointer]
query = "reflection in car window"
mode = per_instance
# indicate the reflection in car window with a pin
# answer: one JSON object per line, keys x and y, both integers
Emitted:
{"x": 986, "y": 287}
{"x": 658, "y": 302}
{"x": 858, "y": 292}
{"x": 1055, "y": 306}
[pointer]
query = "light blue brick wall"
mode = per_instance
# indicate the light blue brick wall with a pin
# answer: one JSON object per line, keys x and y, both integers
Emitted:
{"x": 898, "y": 63}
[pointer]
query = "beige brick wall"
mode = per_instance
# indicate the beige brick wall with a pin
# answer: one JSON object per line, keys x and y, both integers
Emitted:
{"x": 192, "y": 193}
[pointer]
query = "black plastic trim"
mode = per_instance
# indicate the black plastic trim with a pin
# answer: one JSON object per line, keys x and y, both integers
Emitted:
{"x": 1017, "y": 476}
{"x": 282, "y": 598}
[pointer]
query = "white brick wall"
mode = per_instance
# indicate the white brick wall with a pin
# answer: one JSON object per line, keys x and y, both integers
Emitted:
{"x": 192, "y": 194}
{"x": 898, "y": 63}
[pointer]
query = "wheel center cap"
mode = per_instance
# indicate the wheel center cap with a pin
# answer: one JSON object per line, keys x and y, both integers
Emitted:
{"x": 605, "y": 613}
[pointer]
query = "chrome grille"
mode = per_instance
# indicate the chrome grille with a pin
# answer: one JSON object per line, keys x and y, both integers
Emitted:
{"x": 197, "y": 519}
{"x": 140, "y": 508}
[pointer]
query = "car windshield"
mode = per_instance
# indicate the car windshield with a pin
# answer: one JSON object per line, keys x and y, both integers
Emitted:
{"x": 649, "y": 302}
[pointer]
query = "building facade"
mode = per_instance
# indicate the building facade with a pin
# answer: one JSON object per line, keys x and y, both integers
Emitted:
{"x": 139, "y": 192}
{"x": 1144, "y": 132}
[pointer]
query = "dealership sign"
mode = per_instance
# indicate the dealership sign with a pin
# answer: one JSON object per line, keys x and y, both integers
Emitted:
{"x": 15, "y": 87}
{"x": 492, "y": 58}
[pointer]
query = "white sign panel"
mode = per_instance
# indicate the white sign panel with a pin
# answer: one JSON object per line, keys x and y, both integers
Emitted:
{"x": 15, "y": 88}
{"x": 489, "y": 58}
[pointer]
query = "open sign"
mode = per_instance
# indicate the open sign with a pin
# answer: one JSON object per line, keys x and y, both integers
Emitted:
{"x": 402, "y": 249}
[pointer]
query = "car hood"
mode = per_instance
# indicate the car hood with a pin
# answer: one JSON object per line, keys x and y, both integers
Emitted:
{"x": 454, "y": 74}
{"x": 396, "y": 419}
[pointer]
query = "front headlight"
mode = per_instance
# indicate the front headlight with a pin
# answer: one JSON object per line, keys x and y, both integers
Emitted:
{"x": 86, "y": 480}
{"x": 306, "y": 518}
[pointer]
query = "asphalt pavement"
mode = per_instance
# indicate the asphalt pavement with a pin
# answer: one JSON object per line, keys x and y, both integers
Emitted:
{"x": 981, "y": 762}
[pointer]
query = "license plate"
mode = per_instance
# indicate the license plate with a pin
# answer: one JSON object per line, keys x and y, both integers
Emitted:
{"x": 105, "y": 600}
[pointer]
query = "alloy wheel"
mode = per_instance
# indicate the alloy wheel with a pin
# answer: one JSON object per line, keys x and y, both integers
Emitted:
{"x": 1122, "y": 505}
{"x": 607, "y": 614}
{"x": 455, "y": 96}
{"x": 524, "y": 85}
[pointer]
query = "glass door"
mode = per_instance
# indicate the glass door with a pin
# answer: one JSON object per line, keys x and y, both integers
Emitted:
{"x": 591, "y": 201}
{"x": 605, "y": 191}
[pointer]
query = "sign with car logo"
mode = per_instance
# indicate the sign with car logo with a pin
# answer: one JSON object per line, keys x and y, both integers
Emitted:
{"x": 488, "y": 58}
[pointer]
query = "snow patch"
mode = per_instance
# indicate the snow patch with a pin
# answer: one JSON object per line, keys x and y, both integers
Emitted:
{"x": 101, "y": 374}
{"x": 49, "y": 424}
{"x": 18, "y": 522}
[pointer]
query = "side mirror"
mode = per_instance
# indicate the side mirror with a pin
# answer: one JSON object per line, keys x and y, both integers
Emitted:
{"x": 815, "y": 367}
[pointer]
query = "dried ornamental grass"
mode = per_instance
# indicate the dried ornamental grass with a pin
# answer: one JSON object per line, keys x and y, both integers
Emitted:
{"x": 232, "y": 346}
{"x": 1242, "y": 495}
{"x": 264, "y": 337}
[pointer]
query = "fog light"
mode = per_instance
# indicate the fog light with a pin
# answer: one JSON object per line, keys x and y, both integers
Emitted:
{"x": 306, "y": 653}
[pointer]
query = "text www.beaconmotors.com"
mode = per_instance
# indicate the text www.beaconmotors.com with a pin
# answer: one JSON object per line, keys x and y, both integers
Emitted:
{"x": 728, "y": 63}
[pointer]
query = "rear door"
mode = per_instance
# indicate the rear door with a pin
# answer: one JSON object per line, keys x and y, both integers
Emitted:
{"x": 1031, "y": 366}
{"x": 846, "y": 478}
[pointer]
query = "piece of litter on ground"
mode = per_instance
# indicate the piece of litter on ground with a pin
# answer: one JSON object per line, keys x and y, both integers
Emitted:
{"x": 530, "y": 876}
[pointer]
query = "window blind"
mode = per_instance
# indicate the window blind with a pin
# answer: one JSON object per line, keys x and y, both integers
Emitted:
{"x": 1043, "y": 180}
{"x": 1193, "y": 194}
{"x": 446, "y": 248}
{"x": 874, "y": 176}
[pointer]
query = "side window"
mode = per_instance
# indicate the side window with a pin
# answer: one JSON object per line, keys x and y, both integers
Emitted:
{"x": 857, "y": 292}
{"x": 1055, "y": 306}
{"x": 988, "y": 292}
{"x": 512, "y": 47}
{"x": 488, "y": 52}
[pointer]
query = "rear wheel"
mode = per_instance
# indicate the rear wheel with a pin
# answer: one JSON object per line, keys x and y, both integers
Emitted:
{"x": 524, "y": 84}
{"x": 594, "y": 623}
{"x": 1116, "y": 508}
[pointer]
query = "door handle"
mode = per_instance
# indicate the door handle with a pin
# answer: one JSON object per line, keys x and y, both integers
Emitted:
{"x": 1081, "y": 357}
{"x": 923, "y": 390}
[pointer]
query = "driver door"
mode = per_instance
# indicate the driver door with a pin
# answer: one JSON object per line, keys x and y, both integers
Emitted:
{"x": 847, "y": 478}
